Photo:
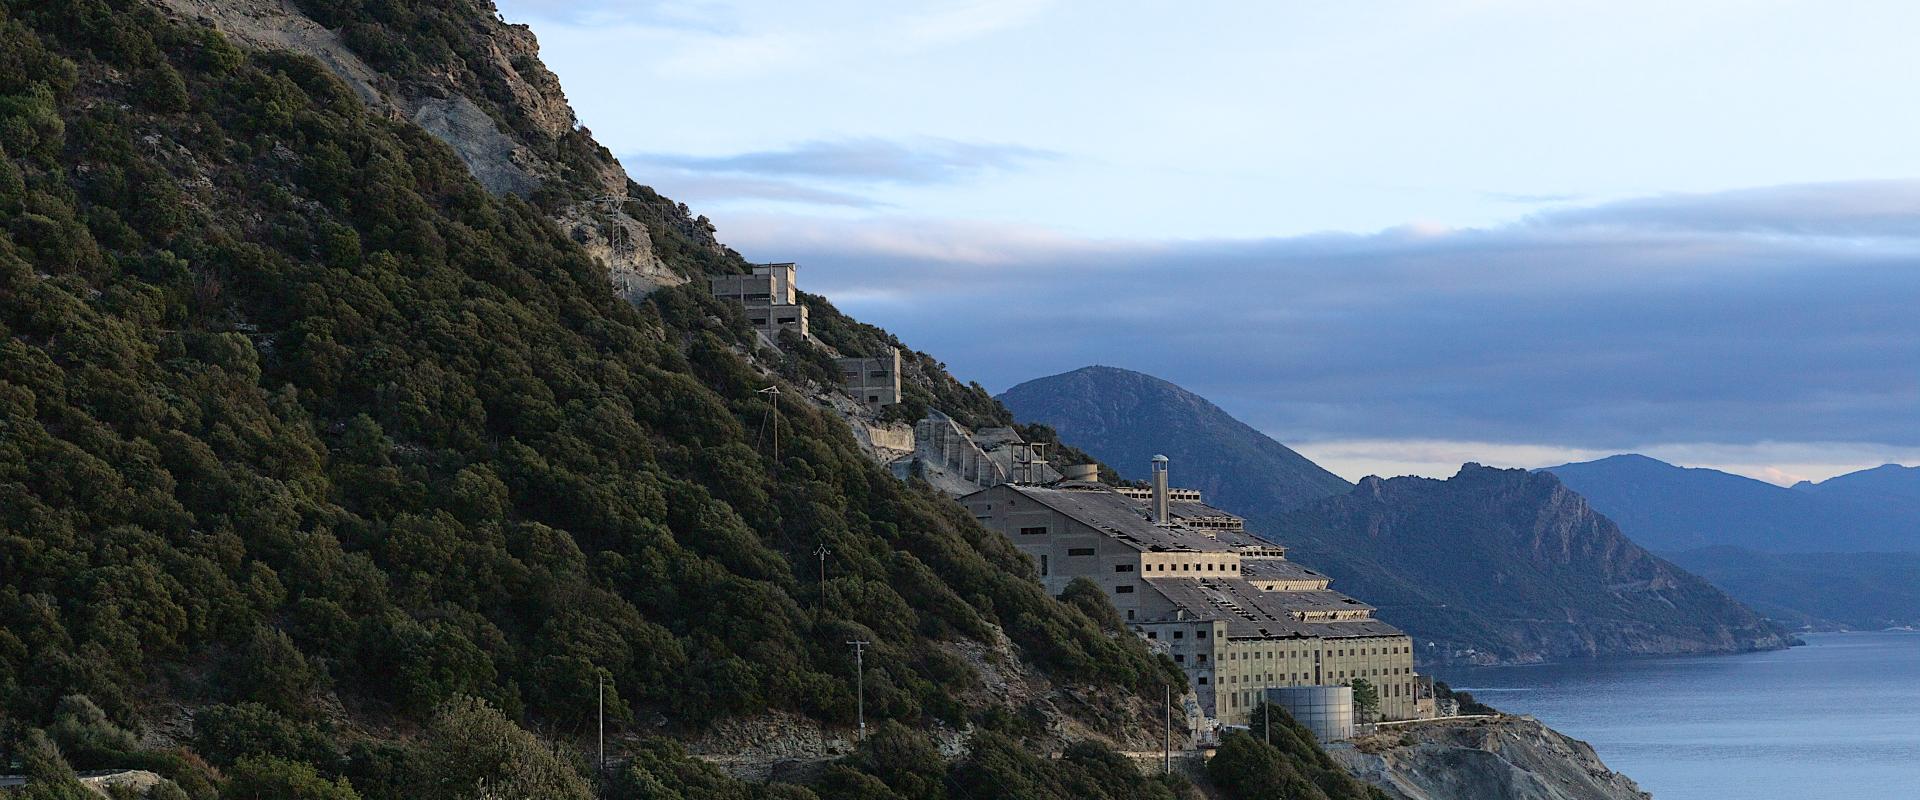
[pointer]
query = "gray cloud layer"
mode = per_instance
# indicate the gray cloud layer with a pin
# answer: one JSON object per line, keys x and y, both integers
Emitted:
{"x": 867, "y": 160}
{"x": 1781, "y": 314}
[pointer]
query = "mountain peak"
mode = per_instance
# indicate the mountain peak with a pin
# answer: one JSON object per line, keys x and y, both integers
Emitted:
{"x": 1124, "y": 418}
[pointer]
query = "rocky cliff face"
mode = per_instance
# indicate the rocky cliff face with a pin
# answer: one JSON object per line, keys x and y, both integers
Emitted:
{"x": 500, "y": 110}
{"x": 1506, "y": 565}
{"x": 1508, "y": 758}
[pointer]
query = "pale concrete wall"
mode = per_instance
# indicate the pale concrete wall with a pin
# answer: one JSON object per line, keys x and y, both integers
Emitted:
{"x": 1063, "y": 548}
{"x": 769, "y": 296}
{"x": 873, "y": 380}
{"x": 1245, "y": 667}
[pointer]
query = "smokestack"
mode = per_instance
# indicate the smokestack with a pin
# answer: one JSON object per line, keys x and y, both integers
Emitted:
{"x": 1160, "y": 491}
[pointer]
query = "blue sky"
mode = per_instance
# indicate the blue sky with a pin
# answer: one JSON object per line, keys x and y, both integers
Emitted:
{"x": 1395, "y": 235}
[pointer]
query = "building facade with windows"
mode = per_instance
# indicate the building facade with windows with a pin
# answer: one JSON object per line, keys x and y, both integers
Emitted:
{"x": 874, "y": 381}
{"x": 1225, "y": 605}
{"x": 770, "y": 296}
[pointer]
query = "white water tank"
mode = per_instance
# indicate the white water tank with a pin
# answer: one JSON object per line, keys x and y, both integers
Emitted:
{"x": 1325, "y": 710}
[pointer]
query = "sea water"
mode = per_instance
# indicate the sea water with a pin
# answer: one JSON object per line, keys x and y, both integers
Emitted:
{"x": 1837, "y": 718}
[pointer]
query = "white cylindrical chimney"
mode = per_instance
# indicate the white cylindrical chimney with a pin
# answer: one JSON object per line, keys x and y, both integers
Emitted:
{"x": 1160, "y": 491}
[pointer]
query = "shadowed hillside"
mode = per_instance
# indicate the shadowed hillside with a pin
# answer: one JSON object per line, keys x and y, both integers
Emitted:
{"x": 1512, "y": 565}
{"x": 1125, "y": 418}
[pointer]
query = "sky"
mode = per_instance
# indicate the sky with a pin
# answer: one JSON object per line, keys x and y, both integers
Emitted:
{"x": 1395, "y": 236}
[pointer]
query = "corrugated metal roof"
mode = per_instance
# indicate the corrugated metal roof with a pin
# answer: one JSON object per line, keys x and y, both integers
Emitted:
{"x": 1128, "y": 520}
{"x": 1276, "y": 569}
{"x": 1252, "y": 613}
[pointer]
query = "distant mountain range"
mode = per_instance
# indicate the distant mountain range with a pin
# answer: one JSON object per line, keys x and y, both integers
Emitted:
{"x": 1670, "y": 508}
{"x": 1841, "y": 553}
{"x": 1889, "y": 488}
{"x": 1107, "y": 411}
{"x": 1854, "y": 591}
{"x": 1513, "y": 564}
{"x": 1491, "y": 565}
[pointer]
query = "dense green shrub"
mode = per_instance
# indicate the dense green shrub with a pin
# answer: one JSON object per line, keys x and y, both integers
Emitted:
{"x": 269, "y": 778}
{"x": 1281, "y": 761}
{"x": 225, "y": 734}
{"x": 473, "y": 751}
{"x": 49, "y": 777}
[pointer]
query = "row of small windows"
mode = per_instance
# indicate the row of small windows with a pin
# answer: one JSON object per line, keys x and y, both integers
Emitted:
{"x": 1179, "y": 634}
{"x": 1193, "y": 568}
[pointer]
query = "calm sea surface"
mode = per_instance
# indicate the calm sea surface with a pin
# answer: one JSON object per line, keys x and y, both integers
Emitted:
{"x": 1838, "y": 718}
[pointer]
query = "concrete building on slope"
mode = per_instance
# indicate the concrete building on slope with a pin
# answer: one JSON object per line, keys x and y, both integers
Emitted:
{"x": 770, "y": 296}
{"x": 1227, "y": 606}
{"x": 874, "y": 380}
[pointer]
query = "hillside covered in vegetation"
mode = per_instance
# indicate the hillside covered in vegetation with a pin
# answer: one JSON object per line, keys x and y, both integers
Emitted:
{"x": 330, "y": 470}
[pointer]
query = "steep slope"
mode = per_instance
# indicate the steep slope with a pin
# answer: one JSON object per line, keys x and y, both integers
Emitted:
{"x": 1845, "y": 591}
{"x": 1666, "y": 508}
{"x": 309, "y": 438}
{"x": 1125, "y": 418}
{"x": 1514, "y": 566}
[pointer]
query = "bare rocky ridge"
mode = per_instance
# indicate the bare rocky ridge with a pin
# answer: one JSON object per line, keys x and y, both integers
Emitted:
{"x": 1505, "y": 758}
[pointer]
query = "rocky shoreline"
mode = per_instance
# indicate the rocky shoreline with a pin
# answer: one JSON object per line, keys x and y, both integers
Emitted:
{"x": 1485, "y": 758}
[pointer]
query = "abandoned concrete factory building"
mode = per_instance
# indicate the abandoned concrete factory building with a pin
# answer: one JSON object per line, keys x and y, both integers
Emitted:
{"x": 771, "y": 298}
{"x": 1228, "y": 607}
{"x": 874, "y": 381}
{"x": 769, "y": 295}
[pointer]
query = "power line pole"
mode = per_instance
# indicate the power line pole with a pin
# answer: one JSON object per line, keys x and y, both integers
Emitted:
{"x": 1166, "y": 737}
{"x": 773, "y": 393}
{"x": 822, "y": 552}
{"x": 1266, "y": 719}
{"x": 860, "y": 681}
{"x": 603, "y": 727}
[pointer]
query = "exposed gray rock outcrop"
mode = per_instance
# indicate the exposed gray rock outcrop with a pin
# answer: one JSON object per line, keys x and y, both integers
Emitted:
{"x": 1505, "y": 758}
{"x": 498, "y": 158}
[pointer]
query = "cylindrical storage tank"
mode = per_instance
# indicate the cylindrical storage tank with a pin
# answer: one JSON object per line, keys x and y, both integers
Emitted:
{"x": 1087, "y": 473}
{"x": 1325, "y": 710}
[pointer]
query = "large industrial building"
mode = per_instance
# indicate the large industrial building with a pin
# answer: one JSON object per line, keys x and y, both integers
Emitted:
{"x": 1227, "y": 606}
